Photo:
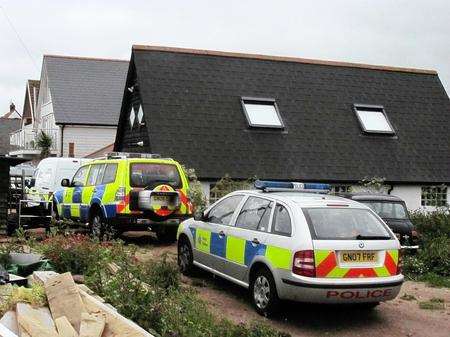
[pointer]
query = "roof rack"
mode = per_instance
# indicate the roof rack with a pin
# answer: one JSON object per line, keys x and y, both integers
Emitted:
{"x": 128, "y": 155}
{"x": 285, "y": 186}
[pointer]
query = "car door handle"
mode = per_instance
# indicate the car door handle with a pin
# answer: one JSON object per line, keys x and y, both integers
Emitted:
{"x": 221, "y": 234}
{"x": 255, "y": 241}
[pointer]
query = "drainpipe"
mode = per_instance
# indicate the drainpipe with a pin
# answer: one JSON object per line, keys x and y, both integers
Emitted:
{"x": 61, "y": 150}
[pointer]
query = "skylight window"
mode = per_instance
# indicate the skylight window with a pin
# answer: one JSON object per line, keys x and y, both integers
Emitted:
{"x": 373, "y": 119}
{"x": 262, "y": 113}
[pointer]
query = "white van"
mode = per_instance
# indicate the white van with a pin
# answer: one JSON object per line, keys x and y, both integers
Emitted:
{"x": 49, "y": 173}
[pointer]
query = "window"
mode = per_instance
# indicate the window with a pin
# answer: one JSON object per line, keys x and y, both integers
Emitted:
{"x": 262, "y": 113}
{"x": 388, "y": 210}
{"x": 434, "y": 196}
{"x": 152, "y": 175}
{"x": 222, "y": 212}
{"x": 93, "y": 174}
{"x": 255, "y": 214}
{"x": 110, "y": 174}
{"x": 344, "y": 223}
{"x": 80, "y": 177}
{"x": 373, "y": 119}
{"x": 341, "y": 188}
{"x": 281, "y": 221}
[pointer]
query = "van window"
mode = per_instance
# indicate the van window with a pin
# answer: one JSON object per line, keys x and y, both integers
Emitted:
{"x": 255, "y": 214}
{"x": 344, "y": 224}
{"x": 281, "y": 223}
{"x": 80, "y": 177}
{"x": 152, "y": 175}
{"x": 94, "y": 172}
{"x": 110, "y": 174}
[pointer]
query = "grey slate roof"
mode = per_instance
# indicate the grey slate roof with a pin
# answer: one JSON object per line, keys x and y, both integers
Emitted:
{"x": 7, "y": 125}
{"x": 84, "y": 90}
{"x": 191, "y": 102}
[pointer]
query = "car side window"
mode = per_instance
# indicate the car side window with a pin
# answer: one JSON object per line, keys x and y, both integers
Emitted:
{"x": 222, "y": 212}
{"x": 255, "y": 214}
{"x": 80, "y": 176}
{"x": 93, "y": 174}
{"x": 281, "y": 221}
{"x": 110, "y": 174}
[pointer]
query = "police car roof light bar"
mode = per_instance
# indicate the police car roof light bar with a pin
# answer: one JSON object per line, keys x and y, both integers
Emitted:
{"x": 273, "y": 186}
{"x": 125, "y": 155}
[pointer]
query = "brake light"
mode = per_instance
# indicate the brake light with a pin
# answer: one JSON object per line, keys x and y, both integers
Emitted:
{"x": 120, "y": 194}
{"x": 400, "y": 262}
{"x": 304, "y": 263}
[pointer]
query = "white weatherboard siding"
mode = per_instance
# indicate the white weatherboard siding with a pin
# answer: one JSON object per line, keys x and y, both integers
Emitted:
{"x": 87, "y": 139}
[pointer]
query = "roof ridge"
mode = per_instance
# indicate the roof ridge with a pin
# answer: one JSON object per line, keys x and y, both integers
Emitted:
{"x": 282, "y": 59}
{"x": 84, "y": 58}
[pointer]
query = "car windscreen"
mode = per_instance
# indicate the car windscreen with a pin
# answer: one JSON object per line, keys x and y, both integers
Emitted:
{"x": 388, "y": 210}
{"x": 345, "y": 224}
{"x": 151, "y": 175}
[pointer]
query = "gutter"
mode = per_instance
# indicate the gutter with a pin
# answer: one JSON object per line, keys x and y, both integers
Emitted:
{"x": 61, "y": 152}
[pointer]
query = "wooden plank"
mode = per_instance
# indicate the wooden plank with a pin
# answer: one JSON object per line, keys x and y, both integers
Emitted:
{"x": 64, "y": 299}
{"x": 91, "y": 325}
{"x": 35, "y": 322}
{"x": 65, "y": 329}
{"x": 9, "y": 321}
{"x": 116, "y": 324}
{"x": 5, "y": 332}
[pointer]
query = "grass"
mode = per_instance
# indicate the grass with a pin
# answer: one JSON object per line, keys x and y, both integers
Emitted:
{"x": 431, "y": 279}
{"x": 408, "y": 297}
{"x": 433, "y": 304}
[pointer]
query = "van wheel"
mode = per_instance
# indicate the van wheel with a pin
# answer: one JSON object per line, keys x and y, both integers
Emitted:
{"x": 97, "y": 226}
{"x": 185, "y": 257}
{"x": 264, "y": 293}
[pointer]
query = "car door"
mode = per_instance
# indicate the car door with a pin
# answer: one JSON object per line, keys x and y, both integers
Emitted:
{"x": 91, "y": 190}
{"x": 210, "y": 235}
{"x": 247, "y": 238}
{"x": 72, "y": 194}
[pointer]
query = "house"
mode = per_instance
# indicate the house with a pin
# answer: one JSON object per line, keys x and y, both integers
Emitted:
{"x": 285, "y": 118}
{"x": 77, "y": 104}
{"x": 7, "y": 125}
{"x": 12, "y": 113}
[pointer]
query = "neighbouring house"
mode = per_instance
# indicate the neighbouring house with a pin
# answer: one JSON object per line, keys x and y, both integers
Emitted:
{"x": 7, "y": 125}
{"x": 77, "y": 104}
{"x": 286, "y": 118}
{"x": 103, "y": 152}
{"x": 12, "y": 113}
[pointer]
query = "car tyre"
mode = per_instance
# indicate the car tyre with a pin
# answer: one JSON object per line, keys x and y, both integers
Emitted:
{"x": 264, "y": 293}
{"x": 185, "y": 257}
{"x": 97, "y": 226}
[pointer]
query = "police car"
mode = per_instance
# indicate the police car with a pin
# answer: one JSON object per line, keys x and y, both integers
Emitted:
{"x": 292, "y": 241}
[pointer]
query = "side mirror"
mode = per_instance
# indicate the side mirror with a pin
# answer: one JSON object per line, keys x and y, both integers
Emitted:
{"x": 65, "y": 182}
{"x": 199, "y": 216}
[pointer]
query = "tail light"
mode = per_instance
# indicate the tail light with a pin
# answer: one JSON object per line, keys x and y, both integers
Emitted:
{"x": 120, "y": 194}
{"x": 400, "y": 262}
{"x": 304, "y": 263}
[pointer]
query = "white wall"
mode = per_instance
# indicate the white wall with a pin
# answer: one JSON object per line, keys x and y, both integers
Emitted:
{"x": 87, "y": 139}
{"x": 410, "y": 194}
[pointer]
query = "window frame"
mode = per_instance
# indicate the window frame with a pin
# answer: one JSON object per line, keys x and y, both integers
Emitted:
{"x": 241, "y": 207}
{"x": 87, "y": 168}
{"x": 272, "y": 219}
{"x": 262, "y": 101}
{"x": 423, "y": 201}
{"x": 377, "y": 108}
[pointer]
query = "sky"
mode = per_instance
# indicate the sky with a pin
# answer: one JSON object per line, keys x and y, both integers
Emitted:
{"x": 412, "y": 33}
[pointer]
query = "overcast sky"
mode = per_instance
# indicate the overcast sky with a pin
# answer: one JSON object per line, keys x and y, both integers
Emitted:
{"x": 409, "y": 33}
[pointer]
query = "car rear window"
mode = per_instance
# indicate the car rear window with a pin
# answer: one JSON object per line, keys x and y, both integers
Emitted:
{"x": 388, "y": 210}
{"x": 344, "y": 224}
{"x": 151, "y": 175}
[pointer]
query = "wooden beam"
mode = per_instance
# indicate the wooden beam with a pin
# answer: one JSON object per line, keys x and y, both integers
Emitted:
{"x": 65, "y": 329}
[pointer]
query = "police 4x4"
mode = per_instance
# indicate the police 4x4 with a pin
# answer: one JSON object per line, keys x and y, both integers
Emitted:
{"x": 125, "y": 192}
{"x": 284, "y": 243}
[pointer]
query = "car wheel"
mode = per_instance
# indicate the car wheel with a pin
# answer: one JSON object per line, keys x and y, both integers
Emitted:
{"x": 264, "y": 293}
{"x": 97, "y": 226}
{"x": 185, "y": 257}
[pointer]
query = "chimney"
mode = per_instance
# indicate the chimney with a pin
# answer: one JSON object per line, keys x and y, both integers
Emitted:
{"x": 12, "y": 108}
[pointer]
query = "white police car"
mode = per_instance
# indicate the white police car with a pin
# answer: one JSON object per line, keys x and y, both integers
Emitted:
{"x": 285, "y": 243}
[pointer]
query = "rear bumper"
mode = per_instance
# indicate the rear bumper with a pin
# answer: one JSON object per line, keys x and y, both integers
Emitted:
{"x": 340, "y": 291}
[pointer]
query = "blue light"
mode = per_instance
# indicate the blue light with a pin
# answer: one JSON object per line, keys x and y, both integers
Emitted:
{"x": 267, "y": 184}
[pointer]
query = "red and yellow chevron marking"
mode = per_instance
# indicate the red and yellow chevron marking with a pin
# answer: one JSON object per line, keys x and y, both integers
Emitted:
{"x": 326, "y": 266}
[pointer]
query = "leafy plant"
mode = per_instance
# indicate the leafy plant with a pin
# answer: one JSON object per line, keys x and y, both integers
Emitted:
{"x": 227, "y": 185}
{"x": 195, "y": 194}
{"x": 433, "y": 304}
{"x": 44, "y": 142}
{"x": 374, "y": 184}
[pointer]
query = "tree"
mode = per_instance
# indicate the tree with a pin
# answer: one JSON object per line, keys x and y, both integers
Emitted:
{"x": 44, "y": 142}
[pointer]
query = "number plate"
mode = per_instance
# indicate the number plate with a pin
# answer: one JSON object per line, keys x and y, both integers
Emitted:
{"x": 359, "y": 256}
{"x": 160, "y": 198}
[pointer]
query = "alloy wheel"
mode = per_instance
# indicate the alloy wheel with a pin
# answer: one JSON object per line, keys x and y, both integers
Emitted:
{"x": 261, "y": 292}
